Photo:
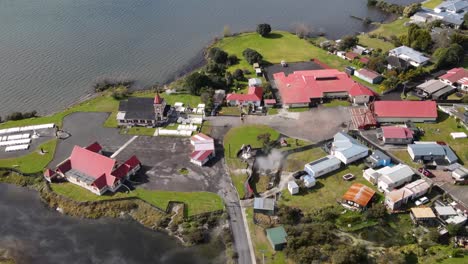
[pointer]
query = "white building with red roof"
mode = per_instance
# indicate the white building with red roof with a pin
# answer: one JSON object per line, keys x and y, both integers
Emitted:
{"x": 359, "y": 94}
{"x": 301, "y": 88}
{"x": 403, "y": 111}
{"x": 93, "y": 171}
{"x": 395, "y": 135}
{"x": 457, "y": 77}
{"x": 203, "y": 149}
{"x": 253, "y": 96}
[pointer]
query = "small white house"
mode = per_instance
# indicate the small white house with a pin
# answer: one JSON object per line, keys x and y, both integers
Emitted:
{"x": 347, "y": 149}
{"x": 293, "y": 188}
{"x": 393, "y": 177}
{"x": 309, "y": 181}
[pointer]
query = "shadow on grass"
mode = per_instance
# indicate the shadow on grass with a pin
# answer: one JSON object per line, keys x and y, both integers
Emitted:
{"x": 274, "y": 36}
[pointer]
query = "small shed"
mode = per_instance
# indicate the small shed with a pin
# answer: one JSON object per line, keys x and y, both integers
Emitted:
{"x": 293, "y": 188}
{"x": 445, "y": 212}
{"x": 258, "y": 71}
{"x": 309, "y": 181}
{"x": 349, "y": 70}
{"x": 256, "y": 65}
{"x": 423, "y": 215}
{"x": 277, "y": 237}
{"x": 458, "y": 135}
{"x": 264, "y": 206}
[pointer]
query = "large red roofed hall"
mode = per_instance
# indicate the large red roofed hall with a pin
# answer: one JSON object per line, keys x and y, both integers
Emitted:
{"x": 300, "y": 88}
{"x": 88, "y": 168}
{"x": 402, "y": 111}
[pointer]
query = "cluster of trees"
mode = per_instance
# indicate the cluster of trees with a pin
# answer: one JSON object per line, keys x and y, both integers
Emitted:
{"x": 252, "y": 56}
{"x": 348, "y": 42}
{"x": 417, "y": 38}
{"x": 387, "y": 7}
{"x": 19, "y": 116}
{"x": 263, "y": 29}
{"x": 219, "y": 56}
{"x": 449, "y": 57}
{"x": 411, "y": 9}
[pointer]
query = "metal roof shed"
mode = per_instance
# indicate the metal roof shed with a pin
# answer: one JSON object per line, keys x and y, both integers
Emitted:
{"x": 277, "y": 237}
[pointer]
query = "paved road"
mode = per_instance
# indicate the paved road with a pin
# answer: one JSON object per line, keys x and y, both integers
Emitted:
{"x": 242, "y": 242}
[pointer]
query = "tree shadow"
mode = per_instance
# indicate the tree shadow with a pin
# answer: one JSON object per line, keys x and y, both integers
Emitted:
{"x": 274, "y": 36}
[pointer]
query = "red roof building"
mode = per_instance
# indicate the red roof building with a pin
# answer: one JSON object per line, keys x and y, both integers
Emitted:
{"x": 395, "y": 135}
{"x": 454, "y": 75}
{"x": 93, "y": 171}
{"x": 360, "y": 94}
{"x": 158, "y": 99}
{"x": 203, "y": 149}
{"x": 358, "y": 195}
{"x": 301, "y": 87}
{"x": 351, "y": 56}
{"x": 364, "y": 60}
{"x": 253, "y": 96}
{"x": 95, "y": 147}
{"x": 269, "y": 102}
{"x": 402, "y": 111}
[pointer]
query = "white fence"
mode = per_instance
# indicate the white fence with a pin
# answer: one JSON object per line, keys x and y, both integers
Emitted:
{"x": 16, "y": 147}
{"x": 187, "y": 127}
{"x": 15, "y": 142}
{"x": 169, "y": 132}
{"x": 18, "y": 136}
{"x": 25, "y": 128}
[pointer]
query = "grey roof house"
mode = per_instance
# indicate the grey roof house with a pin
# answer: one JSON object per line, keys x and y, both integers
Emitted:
{"x": 435, "y": 89}
{"x": 413, "y": 57}
{"x": 347, "y": 149}
{"x": 264, "y": 205}
{"x": 431, "y": 151}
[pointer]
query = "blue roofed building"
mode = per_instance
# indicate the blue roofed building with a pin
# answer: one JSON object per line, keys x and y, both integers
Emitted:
{"x": 379, "y": 159}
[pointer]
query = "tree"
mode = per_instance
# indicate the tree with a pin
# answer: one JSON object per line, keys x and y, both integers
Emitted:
{"x": 389, "y": 84}
{"x": 229, "y": 79}
{"x": 348, "y": 42}
{"x": 215, "y": 68}
{"x": 411, "y": 9}
{"x": 232, "y": 60}
{"x": 418, "y": 38}
{"x": 226, "y": 31}
{"x": 460, "y": 39}
{"x": 465, "y": 20}
{"x": 453, "y": 229}
{"x": 449, "y": 57}
{"x": 377, "y": 211}
{"x": 263, "y": 29}
{"x": 120, "y": 92}
{"x": 196, "y": 81}
{"x": 377, "y": 63}
{"x": 218, "y": 55}
{"x": 252, "y": 56}
{"x": 238, "y": 75}
{"x": 265, "y": 139}
{"x": 371, "y": 2}
{"x": 349, "y": 255}
{"x": 391, "y": 257}
{"x": 207, "y": 97}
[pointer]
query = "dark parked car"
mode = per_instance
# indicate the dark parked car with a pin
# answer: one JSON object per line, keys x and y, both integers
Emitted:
{"x": 299, "y": 174}
{"x": 426, "y": 172}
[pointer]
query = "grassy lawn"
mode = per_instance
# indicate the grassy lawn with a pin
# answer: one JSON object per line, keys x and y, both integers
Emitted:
{"x": 32, "y": 162}
{"x": 296, "y": 161}
{"x": 335, "y": 103}
{"x": 261, "y": 244}
{"x": 375, "y": 43}
{"x": 432, "y": 3}
{"x": 327, "y": 191}
{"x": 298, "y": 109}
{"x": 405, "y": 157}
{"x": 272, "y": 111}
{"x": 278, "y": 46}
{"x": 238, "y": 180}
{"x": 196, "y": 202}
{"x": 206, "y": 128}
{"x": 232, "y": 111}
{"x": 238, "y": 136}
{"x": 441, "y": 132}
{"x": 295, "y": 143}
{"x": 394, "y": 28}
{"x": 143, "y": 131}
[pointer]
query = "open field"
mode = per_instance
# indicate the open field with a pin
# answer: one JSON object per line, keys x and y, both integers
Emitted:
{"x": 335, "y": 103}
{"x": 143, "y": 131}
{"x": 296, "y": 161}
{"x": 441, "y": 132}
{"x": 327, "y": 191}
{"x": 196, "y": 202}
{"x": 34, "y": 161}
{"x": 394, "y": 28}
{"x": 431, "y": 3}
{"x": 170, "y": 99}
{"x": 375, "y": 43}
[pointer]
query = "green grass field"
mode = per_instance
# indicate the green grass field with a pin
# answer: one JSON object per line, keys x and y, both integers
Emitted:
{"x": 33, "y": 162}
{"x": 375, "y": 43}
{"x": 335, "y": 103}
{"x": 196, "y": 202}
{"x": 296, "y": 161}
{"x": 393, "y": 28}
{"x": 142, "y": 131}
{"x": 328, "y": 189}
{"x": 170, "y": 99}
{"x": 431, "y": 3}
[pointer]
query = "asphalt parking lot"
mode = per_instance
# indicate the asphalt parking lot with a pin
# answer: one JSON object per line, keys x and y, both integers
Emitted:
{"x": 161, "y": 157}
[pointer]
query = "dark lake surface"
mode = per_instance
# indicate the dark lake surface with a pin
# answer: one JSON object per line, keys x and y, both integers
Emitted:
{"x": 51, "y": 51}
{"x": 37, "y": 234}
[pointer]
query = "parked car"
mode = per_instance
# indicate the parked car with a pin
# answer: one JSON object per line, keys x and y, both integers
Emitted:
{"x": 421, "y": 201}
{"x": 299, "y": 174}
{"x": 426, "y": 172}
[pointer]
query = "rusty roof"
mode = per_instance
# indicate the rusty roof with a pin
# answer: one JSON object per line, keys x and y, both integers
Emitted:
{"x": 359, "y": 194}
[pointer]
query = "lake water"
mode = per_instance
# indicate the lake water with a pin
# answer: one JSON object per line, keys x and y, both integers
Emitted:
{"x": 51, "y": 51}
{"x": 37, "y": 234}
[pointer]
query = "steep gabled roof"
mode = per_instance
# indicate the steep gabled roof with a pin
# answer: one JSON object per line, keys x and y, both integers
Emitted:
{"x": 397, "y": 132}
{"x": 95, "y": 147}
{"x": 254, "y": 94}
{"x": 406, "y": 109}
{"x": 455, "y": 75}
{"x": 359, "y": 89}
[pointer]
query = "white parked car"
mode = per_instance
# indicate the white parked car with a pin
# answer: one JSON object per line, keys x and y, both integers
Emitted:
{"x": 421, "y": 201}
